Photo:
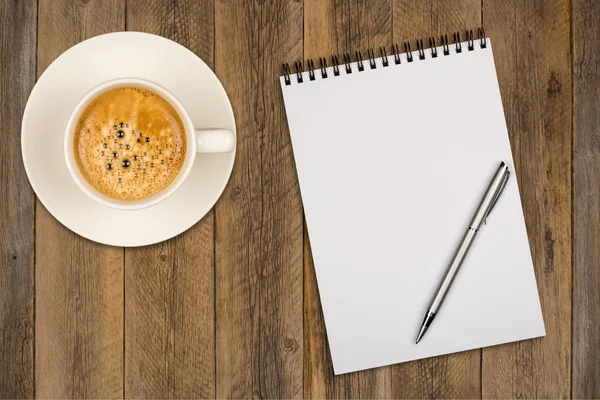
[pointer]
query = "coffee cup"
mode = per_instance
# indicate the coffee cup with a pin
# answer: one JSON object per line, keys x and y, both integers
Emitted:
{"x": 198, "y": 140}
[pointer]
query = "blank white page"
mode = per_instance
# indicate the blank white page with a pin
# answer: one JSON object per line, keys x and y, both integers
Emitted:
{"x": 392, "y": 163}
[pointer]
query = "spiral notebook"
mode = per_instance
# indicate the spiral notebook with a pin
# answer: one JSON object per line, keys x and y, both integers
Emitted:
{"x": 393, "y": 154}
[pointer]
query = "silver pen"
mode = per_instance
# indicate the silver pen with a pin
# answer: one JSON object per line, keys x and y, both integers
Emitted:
{"x": 488, "y": 202}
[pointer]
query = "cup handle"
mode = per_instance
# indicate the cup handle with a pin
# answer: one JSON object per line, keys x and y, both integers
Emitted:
{"x": 214, "y": 141}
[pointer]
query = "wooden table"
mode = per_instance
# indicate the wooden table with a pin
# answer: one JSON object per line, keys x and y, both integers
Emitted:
{"x": 230, "y": 308}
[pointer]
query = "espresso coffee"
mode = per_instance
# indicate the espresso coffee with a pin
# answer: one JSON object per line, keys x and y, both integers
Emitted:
{"x": 129, "y": 143}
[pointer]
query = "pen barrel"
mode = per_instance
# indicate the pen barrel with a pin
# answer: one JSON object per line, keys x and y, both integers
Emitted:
{"x": 492, "y": 193}
{"x": 452, "y": 270}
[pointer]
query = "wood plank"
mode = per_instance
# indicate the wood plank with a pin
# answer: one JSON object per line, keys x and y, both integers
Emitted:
{"x": 79, "y": 284}
{"x": 586, "y": 246}
{"x": 532, "y": 52}
{"x": 17, "y": 206}
{"x": 169, "y": 295}
{"x": 336, "y": 27}
{"x": 259, "y": 232}
{"x": 453, "y": 375}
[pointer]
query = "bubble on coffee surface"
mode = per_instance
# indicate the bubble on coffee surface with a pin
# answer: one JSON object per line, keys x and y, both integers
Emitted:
{"x": 117, "y": 172}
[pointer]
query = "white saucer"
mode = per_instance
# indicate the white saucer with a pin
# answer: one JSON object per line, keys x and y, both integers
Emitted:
{"x": 68, "y": 79}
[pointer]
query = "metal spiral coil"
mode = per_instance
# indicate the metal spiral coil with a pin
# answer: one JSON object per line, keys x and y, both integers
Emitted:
{"x": 470, "y": 40}
{"x": 323, "y": 64}
{"x": 420, "y": 49}
{"x": 445, "y": 48}
{"x": 336, "y": 65}
{"x": 347, "y": 62}
{"x": 433, "y": 47}
{"x": 372, "y": 62}
{"x": 409, "y": 56}
{"x": 383, "y": 56}
{"x": 286, "y": 74}
{"x": 359, "y": 61}
{"x": 311, "y": 69}
{"x": 457, "y": 45}
{"x": 396, "y": 52}
{"x": 298, "y": 66}
{"x": 482, "y": 38}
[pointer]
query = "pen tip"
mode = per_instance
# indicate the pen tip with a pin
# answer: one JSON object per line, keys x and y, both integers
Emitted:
{"x": 421, "y": 333}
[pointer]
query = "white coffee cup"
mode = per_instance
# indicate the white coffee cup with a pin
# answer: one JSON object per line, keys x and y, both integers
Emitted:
{"x": 197, "y": 141}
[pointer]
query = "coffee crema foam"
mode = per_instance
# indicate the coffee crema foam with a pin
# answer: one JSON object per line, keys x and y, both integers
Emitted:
{"x": 130, "y": 143}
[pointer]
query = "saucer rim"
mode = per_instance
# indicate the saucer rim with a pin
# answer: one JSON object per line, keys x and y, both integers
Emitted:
{"x": 101, "y": 207}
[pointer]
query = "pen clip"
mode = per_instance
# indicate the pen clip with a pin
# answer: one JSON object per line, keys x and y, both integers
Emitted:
{"x": 497, "y": 196}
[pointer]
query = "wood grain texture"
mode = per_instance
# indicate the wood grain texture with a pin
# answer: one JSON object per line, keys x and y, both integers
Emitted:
{"x": 79, "y": 284}
{"x": 453, "y": 375}
{"x": 169, "y": 287}
{"x": 336, "y": 27}
{"x": 533, "y": 46}
{"x": 259, "y": 217}
{"x": 230, "y": 309}
{"x": 17, "y": 206}
{"x": 169, "y": 317}
{"x": 586, "y": 187}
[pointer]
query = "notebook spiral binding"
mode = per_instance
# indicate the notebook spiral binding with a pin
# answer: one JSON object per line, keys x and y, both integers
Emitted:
{"x": 383, "y": 55}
